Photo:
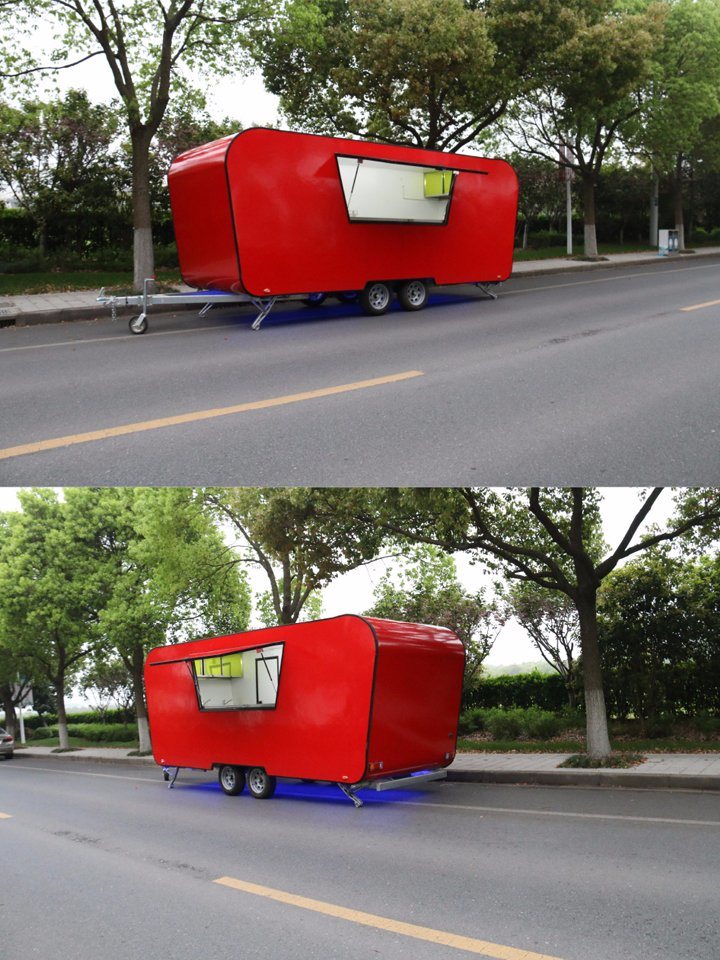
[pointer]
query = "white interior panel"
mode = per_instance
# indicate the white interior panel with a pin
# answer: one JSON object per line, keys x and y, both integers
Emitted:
{"x": 379, "y": 190}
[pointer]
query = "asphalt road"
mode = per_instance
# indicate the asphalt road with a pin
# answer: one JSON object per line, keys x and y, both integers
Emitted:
{"x": 604, "y": 377}
{"x": 101, "y": 860}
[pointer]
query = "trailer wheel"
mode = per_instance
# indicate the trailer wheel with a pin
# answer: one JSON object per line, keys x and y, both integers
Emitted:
{"x": 315, "y": 299}
{"x": 260, "y": 784}
{"x": 375, "y": 299}
{"x": 231, "y": 780}
{"x": 138, "y": 324}
{"x": 413, "y": 295}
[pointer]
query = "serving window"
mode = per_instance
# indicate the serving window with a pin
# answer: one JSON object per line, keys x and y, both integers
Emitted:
{"x": 387, "y": 192}
{"x": 240, "y": 680}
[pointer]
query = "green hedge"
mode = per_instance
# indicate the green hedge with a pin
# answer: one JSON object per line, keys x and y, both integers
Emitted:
{"x": 531, "y": 723}
{"x": 544, "y": 690}
{"x": 100, "y": 732}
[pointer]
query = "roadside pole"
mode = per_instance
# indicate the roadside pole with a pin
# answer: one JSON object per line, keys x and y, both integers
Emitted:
{"x": 568, "y": 209}
{"x": 566, "y": 173}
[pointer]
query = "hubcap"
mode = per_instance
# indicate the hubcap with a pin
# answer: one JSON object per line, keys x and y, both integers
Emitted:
{"x": 257, "y": 781}
{"x": 379, "y": 296}
{"x": 229, "y": 778}
{"x": 415, "y": 292}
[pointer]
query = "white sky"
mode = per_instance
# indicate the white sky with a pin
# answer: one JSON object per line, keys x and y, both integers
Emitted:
{"x": 353, "y": 592}
{"x": 241, "y": 98}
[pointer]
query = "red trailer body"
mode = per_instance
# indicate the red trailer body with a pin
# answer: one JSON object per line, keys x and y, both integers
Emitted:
{"x": 271, "y": 213}
{"x": 348, "y": 700}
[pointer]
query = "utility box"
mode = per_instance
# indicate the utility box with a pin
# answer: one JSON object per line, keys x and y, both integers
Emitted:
{"x": 667, "y": 242}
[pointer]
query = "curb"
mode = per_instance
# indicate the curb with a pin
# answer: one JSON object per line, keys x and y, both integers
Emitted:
{"x": 591, "y": 778}
{"x": 629, "y": 779}
{"x": 69, "y": 314}
{"x": 81, "y": 754}
{"x": 606, "y": 264}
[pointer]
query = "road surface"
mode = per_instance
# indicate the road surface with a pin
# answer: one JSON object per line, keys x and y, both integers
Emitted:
{"x": 603, "y": 377}
{"x": 102, "y": 860}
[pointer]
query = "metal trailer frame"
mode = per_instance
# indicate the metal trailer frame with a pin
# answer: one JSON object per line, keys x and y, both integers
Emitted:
{"x": 210, "y": 298}
{"x": 170, "y": 775}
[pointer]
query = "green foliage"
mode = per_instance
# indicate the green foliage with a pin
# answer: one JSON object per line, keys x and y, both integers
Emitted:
{"x": 104, "y": 732}
{"x": 43, "y": 733}
{"x": 301, "y": 537}
{"x": 619, "y": 761}
{"x": 56, "y": 158}
{"x": 415, "y": 71}
{"x": 659, "y": 625}
{"x": 535, "y": 689}
{"x": 516, "y": 723}
{"x": 424, "y": 588}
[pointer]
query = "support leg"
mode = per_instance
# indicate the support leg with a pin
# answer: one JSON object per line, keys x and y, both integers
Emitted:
{"x": 350, "y": 793}
{"x": 170, "y": 778}
{"x": 264, "y": 307}
{"x": 485, "y": 287}
{"x": 206, "y": 309}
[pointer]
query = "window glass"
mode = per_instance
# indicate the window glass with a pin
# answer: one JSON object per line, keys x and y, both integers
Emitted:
{"x": 239, "y": 680}
{"x": 395, "y": 192}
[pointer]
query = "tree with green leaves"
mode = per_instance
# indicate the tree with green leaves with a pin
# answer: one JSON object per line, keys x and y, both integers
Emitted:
{"x": 153, "y": 51}
{"x": 551, "y": 622}
{"x": 424, "y": 588}
{"x": 301, "y": 537}
{"x": 431, "y": 73}
{"x": 643, "y": 632}
{"x": 58, "y": 157}
{"x": 541, "y": 192}
{"x": 54, "y": 582}
{"x": 590, "y": 88}
{"x": 551, "y": 537}
{"x": 170, "y": 581}
{"x": 682, "y": 94}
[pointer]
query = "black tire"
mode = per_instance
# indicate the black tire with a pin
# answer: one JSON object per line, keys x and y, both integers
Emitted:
{"x": 375, "y": 299}
{"x": 346, "y": 296}
{"x": 138, "y": 324}
{"x": 413, "y": 295}
{"x": 231, "y": 780}
{"x": 166, "y": 776}
{"x": 315, "y": 299}
{"x": 260, "y": 784}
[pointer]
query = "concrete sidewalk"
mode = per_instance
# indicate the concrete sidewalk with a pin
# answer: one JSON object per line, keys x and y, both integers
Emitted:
{"x": 666, "y": 771}
{"x": 21, "y": 310}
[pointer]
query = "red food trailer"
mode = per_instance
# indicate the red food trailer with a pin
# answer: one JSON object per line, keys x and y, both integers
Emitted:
{"x": 266, "y": 215}
{"x": 350, "y": 700}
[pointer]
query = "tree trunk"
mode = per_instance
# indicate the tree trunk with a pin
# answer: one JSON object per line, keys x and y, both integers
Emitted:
{"x": 144, "y": 742}
{"x": 677, "y": 189}
{"x": 41, "y": 235}
{"x": 590, "y": 234}
{"x": 6, "y": 695}
{"x": 61, "y": 714}
{"x": 525, "y": 235}
{"x": 598, "y": 740}
{"x": 143, "y": 259}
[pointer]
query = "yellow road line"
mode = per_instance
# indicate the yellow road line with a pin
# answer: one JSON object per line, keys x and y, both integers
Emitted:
{"x": 700, "y": 306}
{"x": 5, "y": 816}
{"x": 129, "y": 428}
{"x": 470, "y": 945}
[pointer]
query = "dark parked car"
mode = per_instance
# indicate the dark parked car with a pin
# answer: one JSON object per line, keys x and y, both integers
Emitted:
{"x": 7, "y": 744}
